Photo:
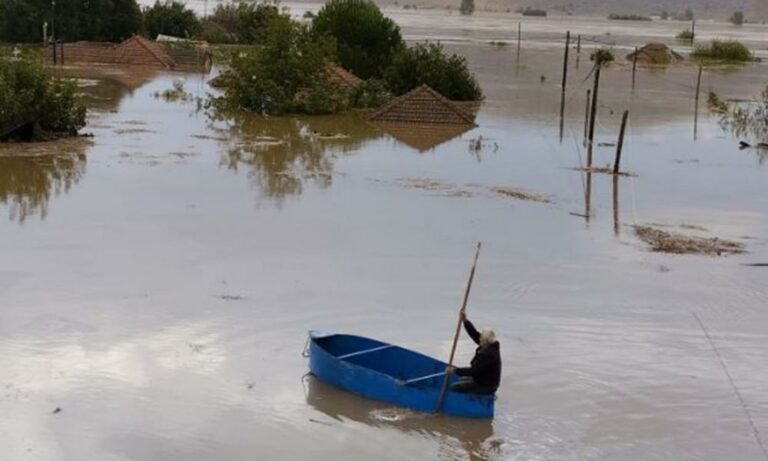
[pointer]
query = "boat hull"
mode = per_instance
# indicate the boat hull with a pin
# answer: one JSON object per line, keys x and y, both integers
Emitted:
{"x": 382, "y": 371}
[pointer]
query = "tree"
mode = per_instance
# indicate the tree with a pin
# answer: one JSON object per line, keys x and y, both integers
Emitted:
{"x": 30, "y": 96}
{"x": 170, "y": 18}
{"x": 467, "y": 7}
{"x": 427, "y": 63}
{"x": 239, "y": 23}
{"x": 737, "y": 18}
{"x": 102, "y": 20}
{"x": 287, "y": 74}
{"x": 366, "y": 39}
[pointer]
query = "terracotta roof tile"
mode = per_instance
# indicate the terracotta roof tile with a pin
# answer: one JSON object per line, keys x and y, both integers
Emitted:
{"x": 423, "y": 106}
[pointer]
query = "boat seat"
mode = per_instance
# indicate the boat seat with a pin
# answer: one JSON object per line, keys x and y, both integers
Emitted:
{"x": 365, "y": 351}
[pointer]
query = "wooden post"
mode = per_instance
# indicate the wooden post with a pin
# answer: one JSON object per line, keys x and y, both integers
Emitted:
{"x": 61, "y": 53}
{"x": 519, "y": 37}
{"x": 53, "y": 45}
{"x": 693, "y": 31}
{"x": 593, "y": 117}
{"x": 565, "y": 82}
{"x": 578, "y": 44}
{"x": 588, "y": 197}
{"x": 586, "y": 117}
{"x": 616, "y": 204}
{"x": 696, "y": 108}
{"x": 620, "y": 144}
{"x": 634, "y": 68}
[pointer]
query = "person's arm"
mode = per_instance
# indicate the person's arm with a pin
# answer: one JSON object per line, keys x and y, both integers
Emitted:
{"x": 472, "y": 331}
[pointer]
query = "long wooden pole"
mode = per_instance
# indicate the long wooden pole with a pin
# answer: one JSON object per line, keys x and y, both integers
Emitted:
{"x": 593, "y": 116}
{"x": 696, "y": 109}
{"x": 565, "y": 82}
{"x": 458, "y": 330}
{"x": 634, "y": 68}
{"x": 620, "y": 145}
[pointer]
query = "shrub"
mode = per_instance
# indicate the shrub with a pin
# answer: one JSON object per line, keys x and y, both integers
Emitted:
{"x": 628, "y": 17}
{"x": 427, "y": 63}
{"x": 723, "y": 50}
{"x": 467, "y": 7}
{"x": 737, "y": 18}
{"x": 29, "y": 95}
{"x": 287, "y": 74}
{"x": 747, "y": 120}
{"x": 685, "y": 35}
{"x": 601, "y": 56}
{"x": 366, "y": 39}
{"x": 102, "y": 20}
{"x": 528, "y": 11}
{"x": 170, "y": 18}
{"x": 239, "y": 23}
{"x": 371, "y": 93}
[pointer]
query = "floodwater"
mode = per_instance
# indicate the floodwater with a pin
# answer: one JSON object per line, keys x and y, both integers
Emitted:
{"x": 157, "y": 280}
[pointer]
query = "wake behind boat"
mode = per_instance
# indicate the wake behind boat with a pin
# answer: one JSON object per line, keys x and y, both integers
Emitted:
{"x": 393, "y": 374}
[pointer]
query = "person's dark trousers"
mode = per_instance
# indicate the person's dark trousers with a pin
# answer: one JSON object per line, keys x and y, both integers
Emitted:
{"x": 467, "y": 385}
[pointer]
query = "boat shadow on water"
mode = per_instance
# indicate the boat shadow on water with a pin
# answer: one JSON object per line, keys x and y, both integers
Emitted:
{"x": 470, "y": 436}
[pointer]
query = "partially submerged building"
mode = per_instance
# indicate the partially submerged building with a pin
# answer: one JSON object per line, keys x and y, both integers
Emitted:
{"x": 656, "y": 53}
{"x": 423, "y": 119}
{"x": 137, "y": 51}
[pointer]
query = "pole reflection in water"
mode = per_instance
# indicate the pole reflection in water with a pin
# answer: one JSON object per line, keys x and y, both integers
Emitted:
{"x": 616, "y": 224}
{"x": 472, "y": 438}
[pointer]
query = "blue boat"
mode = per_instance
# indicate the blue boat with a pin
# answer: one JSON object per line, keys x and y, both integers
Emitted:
{"x": 381, "y": 371}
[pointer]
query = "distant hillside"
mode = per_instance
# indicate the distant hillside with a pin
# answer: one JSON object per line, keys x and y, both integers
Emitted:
{"x": 754, "y": 10}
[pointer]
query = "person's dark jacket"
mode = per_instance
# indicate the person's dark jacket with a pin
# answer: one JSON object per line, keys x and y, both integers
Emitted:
{"x": 485, "y": 367}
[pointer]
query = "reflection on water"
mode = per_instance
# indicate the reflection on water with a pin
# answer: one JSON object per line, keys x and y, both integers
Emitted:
{"x": 283, "y": 153}
{"x": 30, "y": 174}
{"x": 472, "y": 438}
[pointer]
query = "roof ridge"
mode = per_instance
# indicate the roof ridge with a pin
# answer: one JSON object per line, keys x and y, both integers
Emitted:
{"x": 453, "y": 107}
{"x": 169, "y": 63}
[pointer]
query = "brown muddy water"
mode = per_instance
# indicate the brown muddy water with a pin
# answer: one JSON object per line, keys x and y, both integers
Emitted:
{"x": 157, "y": 281}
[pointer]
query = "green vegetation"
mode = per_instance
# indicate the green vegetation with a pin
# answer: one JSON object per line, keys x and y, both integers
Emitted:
{"x": 686, "y": 34}
{"x": 748, "y": 120}
{"x": 467, "y": 7}
{"x": 21, "y": 21}
{"x": 628, "y": 17}
{"x": 238, "y": 23}
{"x": 287, "y": 74}
{"x": 528, "y": 11}
{"x": 371, "y": 93}
{"x": 723, "y": 50}
{"x": 601, "y": 57}
{"x": 427, "y": 63}
{"x": 737, "y": 18}
{"x": 35, "y": 105}
{"x": 366, "y": 39}
{"x": 170, "y": 18}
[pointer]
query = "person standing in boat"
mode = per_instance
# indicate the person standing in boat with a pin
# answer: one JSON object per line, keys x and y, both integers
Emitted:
{"x": 484, "y": 373}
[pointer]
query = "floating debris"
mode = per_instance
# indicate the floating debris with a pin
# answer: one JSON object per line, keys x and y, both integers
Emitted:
{"x": 519, "y": 194}
{"x": 57, "y": 410}
{"x": 667, "y": 242}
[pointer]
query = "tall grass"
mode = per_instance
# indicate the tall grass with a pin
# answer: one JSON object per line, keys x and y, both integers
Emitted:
{"x": 723, "y": 50}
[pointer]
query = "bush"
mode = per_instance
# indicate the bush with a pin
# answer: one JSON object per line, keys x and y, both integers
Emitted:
{"x": 628, "y": 17}
{"x": 29, "y": 95}
{"x": 723, "y": 50}
{"x": 737, "y": 18}
{"x": 285, "y": 75}
{"x": 528, "y": 11}
{"x": 240, "y": 23}
{"x": 170, "y": 18}
{"x": 467, "y": 7}
{"x": 685, "y": 35}
{"x": 366, "y": 39}
{"x": 601, "y": 56}
{"x": 747, "y": 120}
{"x": 102, "y": 20}
{"x": 371, "y": 93}
{"x": 427, "y": 63}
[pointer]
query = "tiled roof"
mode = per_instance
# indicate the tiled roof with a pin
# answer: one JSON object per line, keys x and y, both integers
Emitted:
{"x": 152, "y": 48}
{"x": 655, "y": 53}
{"x": 423, "y": 106}
{"x": 341, "y": 76}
